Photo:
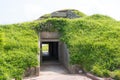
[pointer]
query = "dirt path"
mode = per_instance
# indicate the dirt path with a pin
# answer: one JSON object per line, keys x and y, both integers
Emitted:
{"x": 54, "y": 71}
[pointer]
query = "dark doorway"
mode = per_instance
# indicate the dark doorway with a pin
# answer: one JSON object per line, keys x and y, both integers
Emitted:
{"x": 49, "y": 51}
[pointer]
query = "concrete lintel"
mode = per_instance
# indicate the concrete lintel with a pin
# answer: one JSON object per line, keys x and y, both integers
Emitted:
{"x": 49, "y": 35}
{"x": 49, "y": 40}
{"x": 59, "y": 14}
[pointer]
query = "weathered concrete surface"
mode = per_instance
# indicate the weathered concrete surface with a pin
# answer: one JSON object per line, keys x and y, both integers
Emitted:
{"x": 65, "y": 14}
{"x": 49, "y": 35}
{"x": 50, "y": 71}
{"x": 59, "y": 14}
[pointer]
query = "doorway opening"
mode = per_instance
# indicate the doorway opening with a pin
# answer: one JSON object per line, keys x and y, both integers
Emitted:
{"x": 50, "y": 51}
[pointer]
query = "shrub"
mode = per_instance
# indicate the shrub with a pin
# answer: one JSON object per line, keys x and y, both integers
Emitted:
{"x": 20, "y": 50}
{"x": 91, "y": 43}
{"x": 79, "y": 13}
{"x": 1, "y": 42}
{"x": 4, "y": 74}
{"x": 99, "y": 17}
{"x": 116, "y": 74}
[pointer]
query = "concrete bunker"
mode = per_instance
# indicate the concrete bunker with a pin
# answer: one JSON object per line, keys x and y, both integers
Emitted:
{"x": 57, "y": 50}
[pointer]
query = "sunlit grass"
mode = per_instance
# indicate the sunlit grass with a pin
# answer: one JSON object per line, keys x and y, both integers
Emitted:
{"x": 45, "y": 47}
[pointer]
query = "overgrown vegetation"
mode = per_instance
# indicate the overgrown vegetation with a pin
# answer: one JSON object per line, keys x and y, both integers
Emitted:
{"x": 79, "y": 13}
{"x": 19, "y": 48}
{"x": 93, "y": 43}
{"x": 93, "y": 46}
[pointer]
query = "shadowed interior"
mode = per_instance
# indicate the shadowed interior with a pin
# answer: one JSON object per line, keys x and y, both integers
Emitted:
{"x": 51, "y": 53}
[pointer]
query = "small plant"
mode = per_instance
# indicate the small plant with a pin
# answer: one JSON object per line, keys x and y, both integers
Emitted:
{"x": 115, "y": 74}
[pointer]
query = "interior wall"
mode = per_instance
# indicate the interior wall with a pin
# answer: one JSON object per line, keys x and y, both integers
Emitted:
{"x": 64, "y": 55}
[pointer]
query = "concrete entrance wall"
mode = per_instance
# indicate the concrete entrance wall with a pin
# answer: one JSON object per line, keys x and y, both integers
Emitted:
{"x": 62, "y": 49}
{"x": 65, "y": 59}
{"x": 48, "y": 37}
{"x": 63, "y": 52}
{"x": 64, "y": 55}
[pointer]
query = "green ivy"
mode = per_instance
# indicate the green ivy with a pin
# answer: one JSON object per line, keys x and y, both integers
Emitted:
{"x": 19, "y": 45}
{"x": 93, "y": 43}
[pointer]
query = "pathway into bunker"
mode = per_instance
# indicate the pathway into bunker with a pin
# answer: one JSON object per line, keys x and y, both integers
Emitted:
{"x": 55, "y": 71}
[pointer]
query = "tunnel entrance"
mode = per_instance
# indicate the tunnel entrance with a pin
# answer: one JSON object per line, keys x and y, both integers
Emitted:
{"x": 53, "y": 51}
{"x": 50, "y": 51}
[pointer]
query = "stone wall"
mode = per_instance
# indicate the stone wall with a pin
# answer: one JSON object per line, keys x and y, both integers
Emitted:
{"x": 65, "y": 14}
{"x": 34, "y": 71}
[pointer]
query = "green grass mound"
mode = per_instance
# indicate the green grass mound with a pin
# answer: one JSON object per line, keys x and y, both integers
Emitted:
{"x": 99, "y": 17}
{"x": 81, "y": 14}
{"x": 76, "y": 12}
{"x": 93, "y": 44}
{"x": 19, "y": 48}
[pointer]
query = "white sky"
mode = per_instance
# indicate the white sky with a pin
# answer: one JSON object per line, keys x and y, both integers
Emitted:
{"x": 14, "y": 11}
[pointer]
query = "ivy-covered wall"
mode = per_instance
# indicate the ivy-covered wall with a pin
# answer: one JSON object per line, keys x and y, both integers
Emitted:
{"x": 93, "y": 42}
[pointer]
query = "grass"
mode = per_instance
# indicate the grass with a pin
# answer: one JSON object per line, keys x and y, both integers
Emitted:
{"x": 45, "y": 47}
{"x": 93, "y": 43}
{"x": 20, "y": 50}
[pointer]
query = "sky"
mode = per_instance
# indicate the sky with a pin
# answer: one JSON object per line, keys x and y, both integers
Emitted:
{"x": 17, "y": 11}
